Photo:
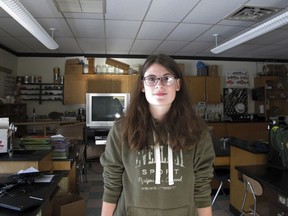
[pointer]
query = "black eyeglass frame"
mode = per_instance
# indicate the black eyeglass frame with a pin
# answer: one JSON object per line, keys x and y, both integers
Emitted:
{"x": 157, "y": 79}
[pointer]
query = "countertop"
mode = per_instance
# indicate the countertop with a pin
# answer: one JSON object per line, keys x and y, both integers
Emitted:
{"x": 275, "y": 178}
{"x": 25, "y": 155}
{"x": 45, "y": 191}
{"x": 256, "y": 147}
{"x": 237, "y": 121}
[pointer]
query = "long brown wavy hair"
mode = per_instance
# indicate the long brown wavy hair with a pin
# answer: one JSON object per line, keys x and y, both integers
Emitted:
{"x": 181, "y": 121}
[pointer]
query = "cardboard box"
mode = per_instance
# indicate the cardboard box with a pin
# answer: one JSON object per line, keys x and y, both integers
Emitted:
{"x": 118, "y": 64}
{"x": 181, "y": 67}
{"x": 73, "y": 69}
{"x": 73, "y": 61}
{"x": 4, "y": 125}
{"x": 3, "y": 140}
{"x": 202, "y": 71}
{"x": 71, "y": 204}
{"x": 213, "y": 70}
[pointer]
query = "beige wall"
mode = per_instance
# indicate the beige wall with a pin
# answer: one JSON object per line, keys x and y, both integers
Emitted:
{"x": 7, "y": 61}
{"x": 43, "y": 66}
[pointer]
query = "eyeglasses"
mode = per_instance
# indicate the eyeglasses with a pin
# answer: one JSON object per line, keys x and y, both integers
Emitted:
{"x": 153, "y": 80}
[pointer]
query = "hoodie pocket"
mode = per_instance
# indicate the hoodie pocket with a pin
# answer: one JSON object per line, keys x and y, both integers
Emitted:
{"x": 138, "y": 211}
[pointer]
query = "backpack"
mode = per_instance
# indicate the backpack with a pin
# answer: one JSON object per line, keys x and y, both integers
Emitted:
{"x": 278, "y": 146}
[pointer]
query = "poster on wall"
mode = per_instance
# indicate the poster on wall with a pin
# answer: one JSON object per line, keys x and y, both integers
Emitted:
{"x": 235, "y": 101}
{"x": 237, "y": 78}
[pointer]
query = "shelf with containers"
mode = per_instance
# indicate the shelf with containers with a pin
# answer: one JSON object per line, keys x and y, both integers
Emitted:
{"x": 273, "y": 97}
{"x": 42, "y": 92}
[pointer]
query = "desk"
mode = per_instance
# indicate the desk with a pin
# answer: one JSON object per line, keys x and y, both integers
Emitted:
{"x": 46, "y": 191}
{"x": 274, "y": 183}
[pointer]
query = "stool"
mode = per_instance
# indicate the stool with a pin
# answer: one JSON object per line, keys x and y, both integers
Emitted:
{"x": 254, "y": 187}
{"x": 222, "y": 175}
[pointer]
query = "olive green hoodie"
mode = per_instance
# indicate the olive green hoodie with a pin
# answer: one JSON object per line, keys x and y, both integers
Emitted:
{"x": 157, "y": 181}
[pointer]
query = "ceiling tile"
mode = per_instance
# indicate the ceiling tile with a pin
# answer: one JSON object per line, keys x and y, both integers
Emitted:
{"x": 127, "y": 9}
{"x": 155, "y": 30}
{"x": 188, "y": 32}
{"x": 88, "y": 45}
{"x": 118, "y": 29}
{"x": 161, "y": 10}
{"x": 170, "y": 47}
{"x": 144, "y": 27}
{"x": 87, "y": 28}
{"x": 119, "y": 45}
{"x": 144, "y": 46}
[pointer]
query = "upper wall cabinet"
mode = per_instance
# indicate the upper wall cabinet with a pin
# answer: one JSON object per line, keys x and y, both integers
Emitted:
{"x": 204, "y": 89}
{"x": 107, "y": 83}
{"x": 77, "y": 85}
{"x": 275, "y": 95}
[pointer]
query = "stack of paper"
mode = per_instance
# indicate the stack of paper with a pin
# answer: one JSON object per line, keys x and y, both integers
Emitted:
{"x": 36, "y": 143}
{"x": 60, "y": 147}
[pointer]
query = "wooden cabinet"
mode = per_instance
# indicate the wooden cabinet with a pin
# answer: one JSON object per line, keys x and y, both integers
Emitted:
{"x": 132, "y": 80}
{"x": 77, "y": 85}
{"x": 107, "y": 83}
{"x": 248, "y": 131}
{"x": 204, "y": 89}
{"x": 253, "y": 131}
{"x": 74, "y": 89}
{"x": 41, "y": 162}
{"x": 219, "y": 130}
{"x": 275, "y": 90}
{"x": 240, "y": 157}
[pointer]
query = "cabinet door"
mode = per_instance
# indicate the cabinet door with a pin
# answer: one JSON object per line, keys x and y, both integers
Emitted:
{"x": 98, "y": 84}
{"x": 132, "y": 79}
{"x": 75, "y": 88}
{"x": 261, "y": 80}
{"x": 119, "y": 83}
{"x": 219, "y": 130}
{"x": 213, "y": 90}
{"x": 248, "y": 131}
{"x": 196, "y": 88}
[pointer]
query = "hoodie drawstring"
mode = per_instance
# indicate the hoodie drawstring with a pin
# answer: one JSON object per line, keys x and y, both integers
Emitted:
{"x": 170, "y": 165}
{"x": 158, "y": 163}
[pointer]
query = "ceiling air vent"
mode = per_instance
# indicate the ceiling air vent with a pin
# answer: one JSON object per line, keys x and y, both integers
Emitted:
{"x": 250, "y": 13}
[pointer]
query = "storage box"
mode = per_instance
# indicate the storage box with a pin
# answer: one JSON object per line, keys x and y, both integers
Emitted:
{"x": 202, "y": 71}
{"x": 213, "y": 70}
{"x": 71, "y": 204}
{"x": 3, "y": 140}
{"x": 118, "y": 64}
{"x": 275, "y": 70}
{"x": 73, "y": 69}
{"x": 4, "y": 125}
{"x": 181, "y": 67}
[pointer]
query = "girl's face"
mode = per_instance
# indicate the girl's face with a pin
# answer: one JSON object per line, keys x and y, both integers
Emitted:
{"x": 160, "y": 87}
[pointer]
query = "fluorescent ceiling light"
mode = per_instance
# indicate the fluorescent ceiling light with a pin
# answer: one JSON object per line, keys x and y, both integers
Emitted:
{"x": 15, "y": 9}
{"x": 253, "y": 33}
